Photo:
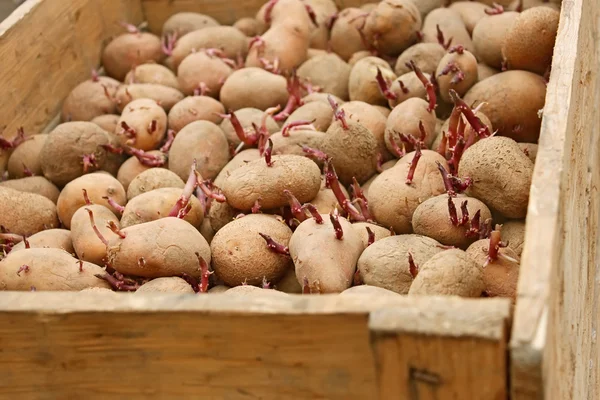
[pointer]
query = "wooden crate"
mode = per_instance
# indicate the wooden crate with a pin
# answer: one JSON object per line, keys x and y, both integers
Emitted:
{"x": 71, "y": 345}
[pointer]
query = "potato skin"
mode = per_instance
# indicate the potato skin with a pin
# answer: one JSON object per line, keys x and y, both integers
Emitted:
{"x": 501, "y": 175}
{"x": 152, "y": 73}
{"x": 449, "y": 273}
{"x": 199, "y": 68}
{"x": 163, "y": 95}
{"x": 363, "y": 86}
{"x": 62, "y": 154}
{"x": 49, "y": 269}
{"x": 128, "y": 50}
{"x": 426, "y": 56}
{"x": 50, "y": 238}
{"x": 171, "y": 284}
{"x": 320, "y": 113}
{"x": 250, "y": 27}
{"x": 512, "y": 101}
{"x": 157, "y": 204}
{"x": 154, "y": 178}
{"x": 431, "y": 218}
{"x": 328, "y": 264}
{"x": 405, "y": 118}
{"x": 385, "y": 263}
{"x": 247, "y": 117}
{"x": 329, "y": 72}
{"x": 241, "y": 255}
{"x": 26, "y": 213}
{"x": 195, "y": 108}
{"x": 168, "y": 246}
{"x": 371, "y": 118}
{"x": 254, "y": 88}
{"x": 88, "y": 100}
{"x": 451, "y": 25}
{"x": 293, "y": 143}
{"x": 34, "y": 184}
{"x": 513, "y": 233}
{"x": 186, "y": 22}
{"x": 97, "y": 186}
{"x": 361, "y": 228}
{"x": 530, "y": 150}
{"x": 256, "y": 180}
{"x": 108, "y": 122}
{"x": 500, "y": 276}
{"x": 203, "y": 141}
{"x": 132, "y": 167}
{"x": 325, "y": 201}
{"x": 489, "y": 35}
{"x": 289, "y": 284}
{"x": 86, "y": 243}
{"x": 471, "y": 13}
{"x": 393, "y": 25}
{"x": 27, "y": 154}
{"x": 467, "y": 63}
{"x": 345, "y": 39}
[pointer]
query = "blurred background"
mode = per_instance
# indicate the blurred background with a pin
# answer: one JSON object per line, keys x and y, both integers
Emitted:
{"x": 7, "y": 6}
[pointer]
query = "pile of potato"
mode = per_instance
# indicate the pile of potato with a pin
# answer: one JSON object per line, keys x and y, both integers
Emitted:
{"x": 310, "y": 149}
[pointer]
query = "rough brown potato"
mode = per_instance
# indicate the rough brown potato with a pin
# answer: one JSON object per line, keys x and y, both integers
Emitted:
{"x": 293, "y": 143}
{"x": 26, "y": 157}
{"x": 202, "y": 141}
{"x": 186, "y": 22}
{"x": 501, "y": 275}
{"x": 142, "y": 125}
{"x": 90, "y": 99}
{"x": 485, "y": 71}
{"x": 325, "y": 201}
{"x": 34, "y": 184}
{"x": 128, "y": 50}
{"x": 372, "y": 119}
{"x": 50, "y": 238}
{"x": 47, "y": 269}
{"x": 97, "y": 185}
{"x": 345, "y": 38}
{"x": 297, "y": 174}
{"x": 171, "y": 284}
{"x": 451, "y": 25}
{"x": 488, "y": 36}
{"x": 501, "y": 175}
{"x": 426, "y": 57}
{"x": 201, "y": 68}
{"x": 254, "y": 88}
{"x": 108, "y": 122}
{"x": 466, "y": 63}
{"x": 320, "y": 113}
{"x": 379, "y": 232}
{"x": 241, "y": 255}
{"x": 405, "y": 118}
{"x": 365, "y": 186}
{"x": 513, "y": 234}
{"x": 86, "y": 244}
{"x": 154, "y": 178}
{"x": 26, "y": 213}
{"x": 165, "y": 96}
{"x": 247, "y": 117}
{"x": 385, "y": 263}
{"x": 530, "y": 150}
{"x": 363, "y": 86}
{"x": 393, "y": 26}
{"x": 132, "y": 167}
{"x": 329, "y": 72}
{"x": 470, "y": 12}
{"x": 152, "y": 73}
{"x": 195, "y": 108}
{"x": 237, "y": 161}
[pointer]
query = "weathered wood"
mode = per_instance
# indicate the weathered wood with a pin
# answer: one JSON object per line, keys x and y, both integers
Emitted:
{"x": 226, "y": 12}
{"x": 72, "y": 345}
{"x": 553, "y": 347}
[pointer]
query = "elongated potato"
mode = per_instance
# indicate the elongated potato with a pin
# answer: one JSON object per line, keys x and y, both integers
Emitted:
{"x": 186, "y": 22}
{"x": 254, "y": 88}
{"x": 201, "y": 68}
{"x": 29, "y": 213}
{"x": 128, "y": 50}
{"x": 47, "y": 269}
{"x": 34, "y": 184}
{"x": 90, "y": 99}
{"x": 50, "y": 238}
{"x": 86, "y": 244}
{"x": 165, "y": 96}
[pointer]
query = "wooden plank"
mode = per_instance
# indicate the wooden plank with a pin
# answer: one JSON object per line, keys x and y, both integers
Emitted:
{"x": 456, "y": 349}
{"x": 226, "y": 12}
{"x": 553, "y": 346}
{"x": 71, "y": 345}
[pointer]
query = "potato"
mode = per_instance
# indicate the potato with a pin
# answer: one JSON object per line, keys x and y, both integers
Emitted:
{"x": 449, "y": 273}
{"x": 312, "y": 53}
{"x": 319, "y": 112}
{"x": 293, "y": 143}
{"x": 329, "y": 72}
{"x": 392, "y": 202}
{"x": 372, "y": 119}
{"x": 471, "y": 12}
{"x": 195, "y": 108}
{"x": 513, "y": 234}
{"x": 365, "y": 186}
{"x": 237, "y": 161}
{"x": 383, "y": 110}
{"x": 485, "y": 71}
{"x": 164, "y": 96}
{"x": 220, "y": 289}
{"x": 405, "y": 118}
{"x": 62, "y": 156}
{"x": 249, "y": 290}
{"x": 366, "y": 290}
{"x": 501, "y": 175}
{"x": 26, "y": 213}
{"x": 345, "y": 37}
{"x": 241, "y": 255}
{"x": 254, "y": 88}
{"x": 171, "y": 284}
{"x": 108, "y": 122}
{"x": 500, "y": 275}
{"x": 220, "y": 214}
{"x": 323, "y": 262}
{"x": 98, "y": 186}
{"x": 323, "y": 10}
{"x": 426, "y": 57}
{"x": 128, "y": 50}
{"x": 452, "y": 26}
{"x": 90, "y": 99}
{"x": 250, "y": 27}
{"x": 530, "y": 150}
{"x": 132, "y": 167}
{"x": 207, "y": 230}
{"x": 182, "y": 23}
{"x": 142, "y": 125}
{"x": 86, "y": 244}
{"x": 325, "y": 201}
{"x": 363, "y": 85}
{"x": 161, "y": 248}
{"x": 34, "y": 184}
{"x": 385, "y": 263}
{"x": 529, "y": 43}
{"x": 202, "y": 141}
{"x": 512, "y": 101}
{"x": 157, "y": 204}
{"x": 469, "y": 131}
{"x": 379, "y": 232}
{"x": 321, "y": 97}
{"x": 432, "y": 218}
{"x": 47, "y": 269}
{"x": 297, "y": 174}
{"x": 359, "y": 55}
{"x": 457, "y": 71}
{"x": 50, "y": 238}
{"x": 247, "y": 117}
{"x": 201, "y": 68}
{"x": 289, "y": 284}
{"x": 226, "y": 38}
{"x": 393, "y": 26}
{"x": 154, "y": 178}
{"x": 152, "y": 73}
{"x": 100, "y": 290}
{"x": 26, "y": 156}
{"x": 489, "y": 35}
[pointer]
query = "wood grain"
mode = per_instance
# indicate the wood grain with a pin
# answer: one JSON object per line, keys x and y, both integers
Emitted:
{"x": 226, "y": 12}
{"x": 553, "y": 347}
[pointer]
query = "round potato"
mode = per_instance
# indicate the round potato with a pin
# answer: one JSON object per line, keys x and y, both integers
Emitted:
{"x": 50, "y": 238}
{"x": 154, "y": 178}
{"x": 195, "y": 108}
{"x": 25, "y": 159}
{"x": 29, "y": 213}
